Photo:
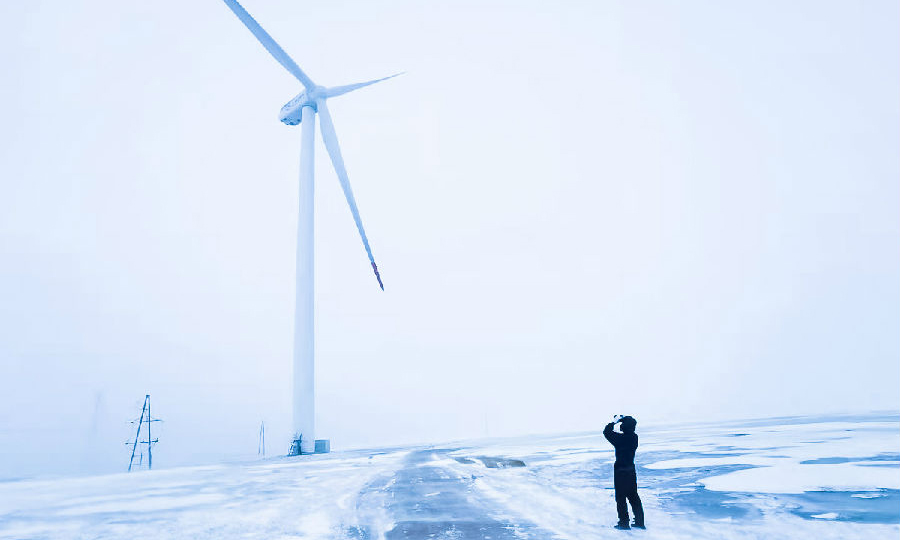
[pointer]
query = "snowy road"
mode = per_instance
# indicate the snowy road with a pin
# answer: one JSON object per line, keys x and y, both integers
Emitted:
{"x": 782, "y": 478}
{"x": 428, "y": 497}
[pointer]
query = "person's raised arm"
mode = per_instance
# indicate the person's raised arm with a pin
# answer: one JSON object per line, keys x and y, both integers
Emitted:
{"x": 611, "y": 435}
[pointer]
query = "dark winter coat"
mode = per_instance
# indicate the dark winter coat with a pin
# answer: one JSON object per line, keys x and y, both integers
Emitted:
{"x": 625, "y": 443}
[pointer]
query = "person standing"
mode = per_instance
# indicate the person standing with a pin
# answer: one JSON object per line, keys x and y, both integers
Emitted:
{"x": 624, "y": 474}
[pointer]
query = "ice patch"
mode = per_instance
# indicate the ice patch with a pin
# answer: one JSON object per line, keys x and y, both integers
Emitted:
{"x": 788, "y": 477}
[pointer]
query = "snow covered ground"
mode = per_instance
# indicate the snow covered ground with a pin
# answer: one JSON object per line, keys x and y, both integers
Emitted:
{"x": 820, "y": 478}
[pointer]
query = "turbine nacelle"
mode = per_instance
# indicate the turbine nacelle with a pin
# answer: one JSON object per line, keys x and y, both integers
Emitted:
{"x": 292, "y": 111}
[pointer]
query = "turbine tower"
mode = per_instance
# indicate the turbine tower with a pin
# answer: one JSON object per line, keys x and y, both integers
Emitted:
{"x": 302, "y": 110}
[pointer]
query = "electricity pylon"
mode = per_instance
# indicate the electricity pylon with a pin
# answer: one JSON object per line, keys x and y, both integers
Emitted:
{"x": 145, "y": 418}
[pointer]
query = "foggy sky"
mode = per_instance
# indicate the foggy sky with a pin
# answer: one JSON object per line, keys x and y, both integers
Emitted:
{"x": 679, "y": 212}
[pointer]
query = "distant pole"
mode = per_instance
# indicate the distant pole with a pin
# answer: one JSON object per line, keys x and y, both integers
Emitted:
{"x": 137, "y": 435}
{"x": 261, "y": 448}
{"x": 145, "y": 417}
{"x": 149, "y": 438}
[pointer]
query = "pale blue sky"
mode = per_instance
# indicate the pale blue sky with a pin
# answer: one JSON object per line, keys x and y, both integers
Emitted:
{"x": 706, "y": 193}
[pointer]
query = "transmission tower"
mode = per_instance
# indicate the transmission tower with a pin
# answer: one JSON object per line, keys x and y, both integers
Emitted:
{"x": 145, "y": 419}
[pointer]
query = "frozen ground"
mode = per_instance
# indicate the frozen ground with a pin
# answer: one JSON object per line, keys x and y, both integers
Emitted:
{"x": 819, "y": 478}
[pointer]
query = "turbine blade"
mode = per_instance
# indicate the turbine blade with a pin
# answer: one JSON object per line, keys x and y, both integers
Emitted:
{"x": 269, "y": 43}
{"x": 334, "y": 151}
{"x": 341, "y": 90}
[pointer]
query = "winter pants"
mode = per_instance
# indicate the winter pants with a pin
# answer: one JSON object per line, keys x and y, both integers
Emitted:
{"x": 625, "y": 482}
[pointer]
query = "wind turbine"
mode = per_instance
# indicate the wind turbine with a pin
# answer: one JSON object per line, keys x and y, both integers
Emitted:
{"x": 302, "y": 110}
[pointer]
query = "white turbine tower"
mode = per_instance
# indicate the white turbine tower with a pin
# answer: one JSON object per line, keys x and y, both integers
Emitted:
{"x": 302, "y": 110}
